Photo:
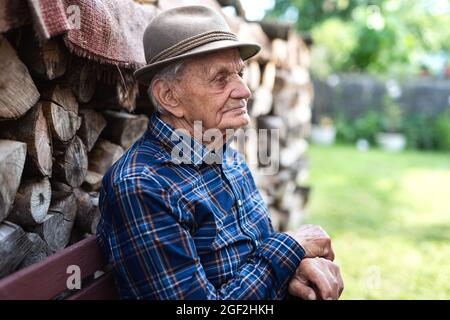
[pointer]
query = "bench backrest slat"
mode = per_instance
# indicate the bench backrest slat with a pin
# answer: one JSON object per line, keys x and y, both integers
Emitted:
{"x": 102, "y": 288}
{"x": 48, "y": 278}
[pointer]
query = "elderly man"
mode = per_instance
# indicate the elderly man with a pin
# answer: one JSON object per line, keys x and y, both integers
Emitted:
{"x": 199, "y": 229}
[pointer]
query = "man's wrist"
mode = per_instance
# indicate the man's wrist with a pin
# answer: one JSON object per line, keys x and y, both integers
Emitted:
{"x": 291, "y": 235}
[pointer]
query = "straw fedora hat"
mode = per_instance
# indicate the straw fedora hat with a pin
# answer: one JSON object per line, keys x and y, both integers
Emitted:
{"x": 185, "y": 32}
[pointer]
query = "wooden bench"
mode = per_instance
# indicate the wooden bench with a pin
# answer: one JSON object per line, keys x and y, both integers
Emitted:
{"x": 48, "y": 279}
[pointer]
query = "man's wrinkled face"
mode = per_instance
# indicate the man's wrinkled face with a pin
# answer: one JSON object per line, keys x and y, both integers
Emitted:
{"x": 213, "y": 91}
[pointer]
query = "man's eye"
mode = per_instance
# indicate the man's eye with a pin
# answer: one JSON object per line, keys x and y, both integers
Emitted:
{"x": 241, "y": 73}
{"x": 221, "y": 79}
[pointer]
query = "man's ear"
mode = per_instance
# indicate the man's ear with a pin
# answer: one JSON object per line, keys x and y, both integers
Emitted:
{"x": 166, "y": 96}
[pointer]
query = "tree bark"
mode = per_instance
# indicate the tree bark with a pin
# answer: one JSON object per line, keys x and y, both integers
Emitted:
{"x": 92, "y": 125}
{"x": 57, "y": 226}
{"x": 71, "y": 162}
{"x": 47, "y": 60}
{"x": 31, "y": 203}
{"x": 92, "y": 181}
{"x": 103, "y": 155}
{"x": 12, "y": 160}
{"x": 124, "y": 128}
{"x": 39, "y": 251}
{"x": 18, "y": 92}
{"x": 88, "y": 214}
{"x": 82, "y": 79}
{"x": 14, "y": 245}
{"x": 121, "y": 94}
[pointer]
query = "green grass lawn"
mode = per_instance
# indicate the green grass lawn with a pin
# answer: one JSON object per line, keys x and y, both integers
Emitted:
{"x": 389, "y": 217}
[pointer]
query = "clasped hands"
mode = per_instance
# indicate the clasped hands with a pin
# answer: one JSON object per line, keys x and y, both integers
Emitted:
{"x": 317, "y": 277}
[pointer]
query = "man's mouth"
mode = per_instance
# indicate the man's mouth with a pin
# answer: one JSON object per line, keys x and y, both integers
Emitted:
{"x": 242, "y": 106}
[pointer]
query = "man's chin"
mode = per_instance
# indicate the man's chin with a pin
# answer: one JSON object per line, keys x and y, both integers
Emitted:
{"x": 239, "y": 121}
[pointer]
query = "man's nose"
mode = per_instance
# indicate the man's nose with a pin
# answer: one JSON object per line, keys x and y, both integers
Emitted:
{"x": 241, "y": 90}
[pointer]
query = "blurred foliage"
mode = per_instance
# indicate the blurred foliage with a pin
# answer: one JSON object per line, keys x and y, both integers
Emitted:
{"x": 419, "y": 132}
{"x": 376, "y": 36}
{"x": 422, "y": 131}
{"x": 391, "y": 115}
{"x": 442, "y": 131}
{"x": 364, "y": 127}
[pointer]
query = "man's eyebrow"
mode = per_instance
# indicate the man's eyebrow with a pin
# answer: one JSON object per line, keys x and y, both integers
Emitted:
{"x": 212, "y": 70}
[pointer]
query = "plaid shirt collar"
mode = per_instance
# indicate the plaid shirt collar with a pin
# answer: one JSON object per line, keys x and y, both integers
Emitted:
{"x": 180, "y": 143}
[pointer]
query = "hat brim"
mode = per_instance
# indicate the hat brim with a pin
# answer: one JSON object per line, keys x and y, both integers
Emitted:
{"x": 247, "y": 50}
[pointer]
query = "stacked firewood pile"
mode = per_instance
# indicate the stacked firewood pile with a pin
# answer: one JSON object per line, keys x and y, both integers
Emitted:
{"x": 64, "y": 120}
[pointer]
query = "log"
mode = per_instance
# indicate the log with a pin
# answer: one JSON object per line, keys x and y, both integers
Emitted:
{"x": 57, "y": 226}
{"x": 293, "y": 47}
{"x": 103, "y": 155}
{"x": 262, "y": 102}
{"x": 275, "y": 29}
{"x": 253, "y": 75}
{"x": 39, "y": 251}
{"x": 92, "y": 125}
{"x": 124, "y": 128}
{"x": 31, "y": 203}
{"x": 121, "y": 94}
{"x": 61, "y": 95}
{"x": 33, "y": 130}
{"x": 88, "y": 214}
{"x": 127, "y": 89}
{"x": 295, "y": 150}
{"x": 47, "y": 60}
{"x": 18, "y": 92}
{"x": 92, "y": 181}
{"x": 63, "y": 124}
{"x": 252, "y": 32}
{"x": 293, "y": 105}
{"x": 268, "y": 79}
{"x": 273, "y": 123}
{"x": 13, "y": 14}
{"x": 12, "y": 160}
{"x": 280, "y": 53}
{"x": 61, "y": 110}
{"x": 60, "y": 190}
{"x": 71, "y": 162}
{"x": 14, "y": 245}
{"x": 81, "y": 77}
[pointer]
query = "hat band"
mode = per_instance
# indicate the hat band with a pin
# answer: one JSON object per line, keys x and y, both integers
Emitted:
{"x": 191, "y": 43}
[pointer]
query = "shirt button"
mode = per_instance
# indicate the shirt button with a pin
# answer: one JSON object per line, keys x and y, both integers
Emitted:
{"x": 239, "y": 202}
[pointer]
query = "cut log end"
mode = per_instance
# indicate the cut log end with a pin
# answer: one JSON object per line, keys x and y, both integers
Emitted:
{"x": 12, "y": 160}
{"x": 31, "y": 203}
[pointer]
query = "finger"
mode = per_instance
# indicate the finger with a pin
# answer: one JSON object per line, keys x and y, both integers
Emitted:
{"x": 338, "y": 276}
{"x": 329, "y": 254}
{"x": 341, "y": 281}
{"x": 300, "y": 289}
{"x": 333, "y": 280}
{"x": 322, "y": 281}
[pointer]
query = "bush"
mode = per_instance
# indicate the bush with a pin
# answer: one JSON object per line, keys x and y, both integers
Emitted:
{"x": 428, "y": 133}
{"x": 363, "y": 127}
{"x": 422, "y": 131}
{"x": 442, "y": 131}
{"x": 367, "y": 126}
{"x": 345, "y": 132}
{"x": 419, "y": 131}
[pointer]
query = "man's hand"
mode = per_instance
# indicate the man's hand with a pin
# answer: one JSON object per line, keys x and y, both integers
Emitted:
{"x": 314, "y": 240}
{"x": 316, "y": 278}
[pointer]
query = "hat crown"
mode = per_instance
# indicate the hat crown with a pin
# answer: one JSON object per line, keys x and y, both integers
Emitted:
{"x": 173, "y": 26}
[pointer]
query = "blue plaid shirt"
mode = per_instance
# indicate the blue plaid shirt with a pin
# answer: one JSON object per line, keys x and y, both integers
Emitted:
{"x": 190, "y": 231}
